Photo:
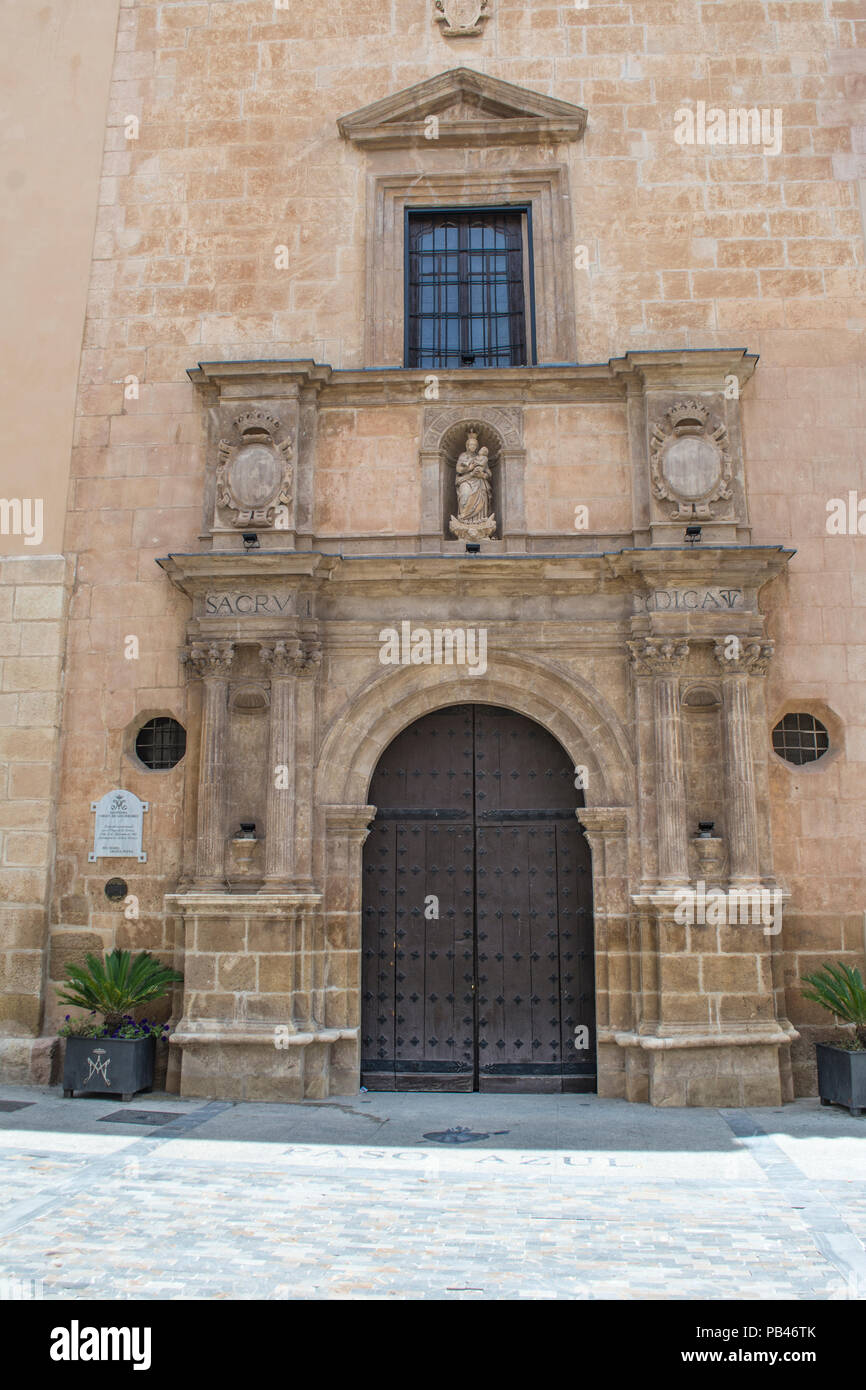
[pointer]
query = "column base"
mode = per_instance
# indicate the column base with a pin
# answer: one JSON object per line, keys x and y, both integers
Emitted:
{"x": 225, "y": 1061}
{"x": 30, "y": 1061}
{"x": 695, "y": 1068}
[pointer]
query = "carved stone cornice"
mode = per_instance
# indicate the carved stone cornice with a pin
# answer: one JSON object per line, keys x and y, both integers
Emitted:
{"x": 354, "y": 821}
{"x": 690, "y": 369}
{"x": 747, "y": 659}
{"x": 204, "y": 659}
{"x": 469, "y": 108}
{"x": 658, "y": 656}
{"x": 603, "y": 820}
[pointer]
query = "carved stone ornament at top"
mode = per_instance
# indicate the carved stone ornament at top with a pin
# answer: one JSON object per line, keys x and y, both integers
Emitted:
{"x": 292, "y": 657}
{"x": 658, "y": 655}
{"x": 689, "y": 461}
{"x": 460, "y": 19}
{"x": 739, "y": 657}
{"x": 474, "y": 520}
{"x": 255, "y": 473}
{"x": 203, "y": 659}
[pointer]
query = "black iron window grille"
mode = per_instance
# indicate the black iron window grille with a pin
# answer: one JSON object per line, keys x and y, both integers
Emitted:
{"x": 161, "y": 743}
{"x": 466, "y": 305}
{"x": 800, "y": 738}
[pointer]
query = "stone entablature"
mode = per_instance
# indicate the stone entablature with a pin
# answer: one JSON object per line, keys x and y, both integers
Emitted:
{"x": 305, "y": 402}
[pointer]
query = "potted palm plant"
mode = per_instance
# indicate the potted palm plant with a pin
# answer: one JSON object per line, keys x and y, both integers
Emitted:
{"x": 116, "y": 1054}
{"x": 841, "y": 1066}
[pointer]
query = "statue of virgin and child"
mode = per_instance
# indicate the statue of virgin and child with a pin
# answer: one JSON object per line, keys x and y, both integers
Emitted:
{"x": 474, "y": 520}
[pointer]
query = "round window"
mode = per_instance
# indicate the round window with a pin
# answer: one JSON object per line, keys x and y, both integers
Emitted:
{"x": 161, "y": 743}
{"x": 800, "y": 738}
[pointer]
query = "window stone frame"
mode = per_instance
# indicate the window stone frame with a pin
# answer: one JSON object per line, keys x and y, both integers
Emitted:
{"x": 544, "y": 189}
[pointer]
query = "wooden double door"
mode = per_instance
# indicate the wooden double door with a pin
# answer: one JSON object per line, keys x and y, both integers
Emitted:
{"x": 477, "y": 952}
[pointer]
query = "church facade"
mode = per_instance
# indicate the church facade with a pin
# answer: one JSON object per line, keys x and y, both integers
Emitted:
{"x": 466, "y": 580}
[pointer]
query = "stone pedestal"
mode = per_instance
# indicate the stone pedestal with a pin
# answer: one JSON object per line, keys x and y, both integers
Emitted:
{"x": 253, "y": 1002}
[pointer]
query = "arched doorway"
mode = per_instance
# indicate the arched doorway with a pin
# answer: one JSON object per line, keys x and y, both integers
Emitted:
{"x": 477, "y": 953}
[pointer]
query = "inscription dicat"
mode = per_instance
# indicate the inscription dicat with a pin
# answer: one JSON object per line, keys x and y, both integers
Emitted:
{"x": 117, "y": 834}
{"x": 672, "y": 600}
{"x": 256, "y": 604}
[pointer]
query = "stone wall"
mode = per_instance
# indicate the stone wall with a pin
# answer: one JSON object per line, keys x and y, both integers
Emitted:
{"x": 33, "y": 601}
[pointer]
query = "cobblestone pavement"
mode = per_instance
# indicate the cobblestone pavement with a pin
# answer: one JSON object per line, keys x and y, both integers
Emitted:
{"x": 555, "y": 1197}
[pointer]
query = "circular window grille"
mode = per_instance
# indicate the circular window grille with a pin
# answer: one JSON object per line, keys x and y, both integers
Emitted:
{"x": 161, "y": 743}
{"x": 800, "y": 738}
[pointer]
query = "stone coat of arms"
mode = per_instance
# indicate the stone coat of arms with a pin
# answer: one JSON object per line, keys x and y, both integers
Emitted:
{"x": 462, "y": 18}
{"x": 689, "y": 460}
{"x": 255, "y": 475}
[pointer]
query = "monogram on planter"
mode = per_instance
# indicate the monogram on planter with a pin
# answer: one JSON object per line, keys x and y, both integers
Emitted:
{"x": 117, "y": 1054}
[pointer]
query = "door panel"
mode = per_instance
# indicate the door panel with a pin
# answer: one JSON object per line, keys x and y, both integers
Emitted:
{"x": 476, "y": 823}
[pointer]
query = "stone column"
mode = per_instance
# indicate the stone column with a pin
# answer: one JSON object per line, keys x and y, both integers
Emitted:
{"x": 286, "y": 661}
{"x": 210, "y": 662}
{"x": 305, "y": 752}
{"x": 663, "y": 659}
{"x": 280, "y": 660}
{"x": 739, "y": 659}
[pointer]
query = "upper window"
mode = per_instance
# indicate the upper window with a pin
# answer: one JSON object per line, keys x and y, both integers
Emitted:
{"x": 466, "y": 305}
{"x": 800, "y": 738}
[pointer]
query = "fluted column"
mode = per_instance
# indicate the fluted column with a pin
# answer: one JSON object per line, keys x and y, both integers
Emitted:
{"x": 210, "y": 662}
{"x": 285, "y": 661}
{"x": 738, "y": 661}
{"x": 662, "y": 659}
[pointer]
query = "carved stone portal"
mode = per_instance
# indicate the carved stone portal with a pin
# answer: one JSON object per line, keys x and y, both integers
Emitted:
{"x": 462, "y": 18}
{"x": 474, "y": 520}
{"x": 690, "y": 462}
{"x": 255, "y": 474}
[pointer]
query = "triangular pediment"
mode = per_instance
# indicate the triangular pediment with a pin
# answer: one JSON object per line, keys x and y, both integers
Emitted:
{"x": 470, "y": 108}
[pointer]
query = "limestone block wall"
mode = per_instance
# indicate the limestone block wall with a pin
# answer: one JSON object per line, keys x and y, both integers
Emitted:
{"x": 33, "y": 603}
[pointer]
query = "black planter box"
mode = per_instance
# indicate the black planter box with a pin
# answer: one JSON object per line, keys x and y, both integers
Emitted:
{"x": 108, "y": 1066}
{"x": 841, "y": 1077}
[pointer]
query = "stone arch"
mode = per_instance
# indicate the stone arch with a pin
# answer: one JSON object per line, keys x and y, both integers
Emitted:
{"x": 563, "y": 703}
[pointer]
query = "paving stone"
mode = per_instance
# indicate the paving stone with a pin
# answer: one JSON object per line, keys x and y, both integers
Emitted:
{"x": 730, "y": 1213}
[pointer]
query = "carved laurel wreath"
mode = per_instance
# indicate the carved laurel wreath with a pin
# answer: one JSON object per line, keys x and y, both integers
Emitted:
{"x": 690, "y": 418}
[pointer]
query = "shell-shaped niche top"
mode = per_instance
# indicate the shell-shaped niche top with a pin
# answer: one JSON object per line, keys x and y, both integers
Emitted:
{"x": 255, "y": 475}
{"x": 461, "y": 19}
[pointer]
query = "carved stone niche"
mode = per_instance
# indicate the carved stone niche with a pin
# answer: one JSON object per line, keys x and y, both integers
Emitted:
{"x": 454, "y": 432}
{"x": 255, "y": 475}
{"x": 695, "y": 466}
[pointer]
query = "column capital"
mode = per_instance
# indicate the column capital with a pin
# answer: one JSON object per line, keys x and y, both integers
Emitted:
{"x": 664, "y": 656}
{"x": 203, "y": 659}
{"x": 741, "y": 658}
{"x": 291, "y": 656}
